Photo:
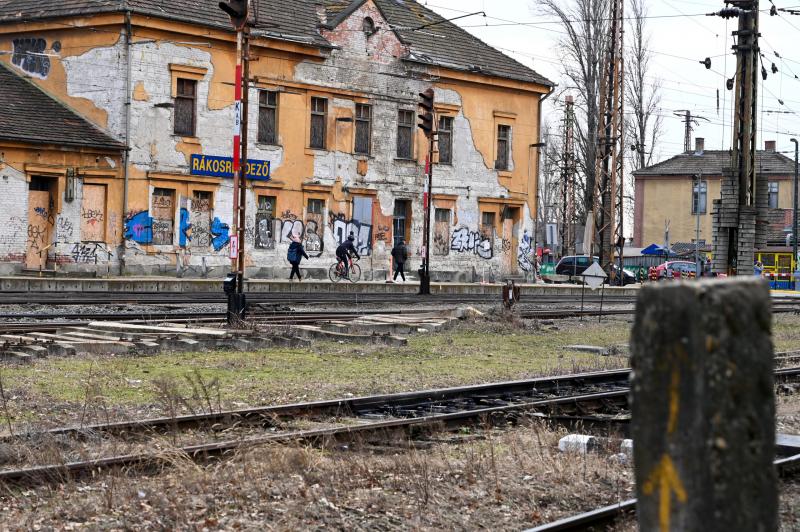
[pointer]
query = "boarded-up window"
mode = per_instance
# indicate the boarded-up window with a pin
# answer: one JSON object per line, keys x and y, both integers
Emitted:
{"x": 93, "y": 213}
{"x": 264, "y": 222}
{"x": 441, "y": 232}
{"x": 503, "y": 147}
{"x": 185, "y": 105}
{"x": 319, "y": 120}
{"x": 268, "y": 117}
{"x": 363, "y": 128}
{"x": 200, "y": 218}
{"x": 163, "y": 216}
{"x": 405, "y": 134}
{"x": 446, "y": 140}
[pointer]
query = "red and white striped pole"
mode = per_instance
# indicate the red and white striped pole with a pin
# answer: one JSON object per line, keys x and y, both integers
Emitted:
{"x": 237, "y": 150}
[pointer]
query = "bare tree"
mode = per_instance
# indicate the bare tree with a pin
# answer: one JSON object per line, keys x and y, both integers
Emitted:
{"x": 644, "y": 124}
{"x": 549, "y": 191}
{"x": 583, "y": 49}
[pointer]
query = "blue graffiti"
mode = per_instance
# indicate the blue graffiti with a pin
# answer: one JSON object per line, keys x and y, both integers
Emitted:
{"x": 185, "y": 228}
{"x": 139, "y": 228}
{"x": 219, "y": 231}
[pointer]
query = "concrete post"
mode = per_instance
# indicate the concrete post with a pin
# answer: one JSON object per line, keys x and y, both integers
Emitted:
{"x": 704, "y": 407}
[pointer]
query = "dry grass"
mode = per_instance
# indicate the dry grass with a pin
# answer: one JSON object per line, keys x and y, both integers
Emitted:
{"x": 498, "y": 480}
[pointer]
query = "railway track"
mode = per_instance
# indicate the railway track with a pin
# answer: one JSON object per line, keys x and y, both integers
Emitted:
{"x": 374, "y": 417}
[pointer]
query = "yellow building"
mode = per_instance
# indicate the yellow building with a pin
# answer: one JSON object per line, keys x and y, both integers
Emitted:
{"x": 667, "y": 196}
{"x": 333, "y": 142}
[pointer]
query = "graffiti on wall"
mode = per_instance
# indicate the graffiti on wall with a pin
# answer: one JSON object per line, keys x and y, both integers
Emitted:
{"x": 466, "y": 241}
{"x": 341, "y": 228}
{"x": 139, "y": 228}
{"x": 29, "y": 55}
{"x": 91, "y": 252}
{"x": 65, "y": 230}
{"x": 200, "y": 222}
{"x": 313, "y": 243}
{"x": 184, "y": 235}
{"x": 525, "y": 253}
{"x": 219, "y": 234}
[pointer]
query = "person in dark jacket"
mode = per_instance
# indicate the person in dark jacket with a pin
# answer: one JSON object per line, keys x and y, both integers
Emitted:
{"x": 400, "y": 255}
{"x": 294, "y": 256}
{"x": 345, "y": 249}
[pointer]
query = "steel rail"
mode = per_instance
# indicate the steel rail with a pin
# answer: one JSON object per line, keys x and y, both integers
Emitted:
{"x": 74, "y": 470}
{"x": 346, "y": 406}
{"x": 608, "y": 514}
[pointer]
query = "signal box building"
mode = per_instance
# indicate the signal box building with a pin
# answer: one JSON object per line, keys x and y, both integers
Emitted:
{"x": 334, "y": 145}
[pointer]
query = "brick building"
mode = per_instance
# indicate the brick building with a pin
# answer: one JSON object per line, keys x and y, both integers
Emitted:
{"x": 334, "y": 146}
{"x": 666, "y": 195}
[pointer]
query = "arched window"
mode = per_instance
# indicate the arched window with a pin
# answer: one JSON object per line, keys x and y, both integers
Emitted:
{"x": 368, "y": 26}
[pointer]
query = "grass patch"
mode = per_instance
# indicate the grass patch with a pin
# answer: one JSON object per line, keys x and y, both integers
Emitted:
{"x": 469, "y": 353}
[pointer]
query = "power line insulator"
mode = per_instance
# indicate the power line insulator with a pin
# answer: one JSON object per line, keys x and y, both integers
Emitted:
{"x": 706, "y": 63}
{"x": 729, "y": 84}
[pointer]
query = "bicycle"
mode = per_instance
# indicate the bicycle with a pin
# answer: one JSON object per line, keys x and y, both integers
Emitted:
{"x": 336, "y": 271}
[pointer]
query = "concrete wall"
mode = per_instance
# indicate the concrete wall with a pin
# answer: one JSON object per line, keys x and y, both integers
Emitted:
{"x": 88, "y": 71}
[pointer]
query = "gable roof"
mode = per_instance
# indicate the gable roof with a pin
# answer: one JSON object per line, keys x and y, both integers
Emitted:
{"x": 443, "y": 44}
{"x": 30, "y": 115}
{"x": 712, "y": 162}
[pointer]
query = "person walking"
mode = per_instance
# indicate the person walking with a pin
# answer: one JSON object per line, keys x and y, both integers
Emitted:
{"x": 400, "y": 255}
{"x": 294, "y": 256}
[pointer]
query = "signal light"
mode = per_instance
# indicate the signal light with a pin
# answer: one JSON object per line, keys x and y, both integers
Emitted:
{"x": 426, "y": 116}
{"x": 237, "y": 10}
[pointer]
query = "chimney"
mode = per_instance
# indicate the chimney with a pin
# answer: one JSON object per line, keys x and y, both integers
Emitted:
{"x": 699, "y": 145}
{"x": 769, "y": 145}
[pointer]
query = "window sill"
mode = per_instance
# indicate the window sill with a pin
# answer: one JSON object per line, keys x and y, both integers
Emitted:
{"x": 504, "y": 173}
{"x": 315, "y": 151}
{"x": 188, "y": 139}
{"x": 450, "y": 164}
{"x": 363, "y": 156}
{"x": 268, "y": 145}
{"x": 405, "y": 160}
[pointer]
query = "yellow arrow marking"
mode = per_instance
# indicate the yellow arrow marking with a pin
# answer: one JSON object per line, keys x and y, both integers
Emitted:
{"x": 666, "y": 479}
{"x": 674, "y": 398}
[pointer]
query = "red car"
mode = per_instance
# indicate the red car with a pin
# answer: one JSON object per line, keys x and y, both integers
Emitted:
{"x": 670, "y": 269}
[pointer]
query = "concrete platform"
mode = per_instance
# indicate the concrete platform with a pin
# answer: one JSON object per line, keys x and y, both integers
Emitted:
{"x": 173, "y": 285}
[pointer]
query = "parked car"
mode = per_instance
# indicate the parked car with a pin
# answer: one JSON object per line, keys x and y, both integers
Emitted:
{"x": 628, "y": 276}
{"x": 668, "y": 269}
{"x": 574, "y": 264}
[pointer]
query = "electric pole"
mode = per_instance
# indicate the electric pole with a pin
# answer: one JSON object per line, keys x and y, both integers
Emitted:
{"x": 427, "y": 118}
{"x": 739, "y": 216}
{"x": 609, "y": 197}
{"x": 688, "y": 120}
{"x": 568, "y": 179}
{"x": 238, "y": 11}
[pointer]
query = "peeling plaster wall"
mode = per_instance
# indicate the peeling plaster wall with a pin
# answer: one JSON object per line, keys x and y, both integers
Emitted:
{"x": 363, "y": 69}
{"x": 14, "y": 229}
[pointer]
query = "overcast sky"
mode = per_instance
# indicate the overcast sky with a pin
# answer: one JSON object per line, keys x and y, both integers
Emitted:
{"x": 681, "y": 37}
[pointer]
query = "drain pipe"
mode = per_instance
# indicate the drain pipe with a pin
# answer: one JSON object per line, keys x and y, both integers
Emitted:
{"x": 127, "y": 156}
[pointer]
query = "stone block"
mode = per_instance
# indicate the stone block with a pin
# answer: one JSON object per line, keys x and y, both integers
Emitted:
{"x": 703, "y": 407}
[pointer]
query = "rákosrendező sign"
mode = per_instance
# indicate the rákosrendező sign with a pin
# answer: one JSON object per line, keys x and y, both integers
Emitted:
{"x": 210, "y": 165}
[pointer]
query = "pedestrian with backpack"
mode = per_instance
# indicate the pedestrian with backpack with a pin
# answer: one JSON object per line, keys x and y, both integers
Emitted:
{"x": 400, "y": 255}
{"x": 294, "y": 256}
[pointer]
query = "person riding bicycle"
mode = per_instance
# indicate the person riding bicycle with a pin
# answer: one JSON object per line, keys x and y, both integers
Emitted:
{"x": 344, "y": 251}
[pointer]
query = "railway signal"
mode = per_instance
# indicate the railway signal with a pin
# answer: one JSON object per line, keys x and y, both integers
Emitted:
{"x": 426, "y": 122}
{"x": 238, "y": 11}
{"x": 426, "y": 114}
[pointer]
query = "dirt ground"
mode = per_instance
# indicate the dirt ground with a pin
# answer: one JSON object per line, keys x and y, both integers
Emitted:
{"x": 492, "y": 480}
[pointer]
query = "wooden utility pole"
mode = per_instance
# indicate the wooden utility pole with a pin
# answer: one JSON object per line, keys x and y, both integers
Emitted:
{"x": 703, "y": 408}
{"x": 568, "y": 179}
{"x": 609, "y": 198}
